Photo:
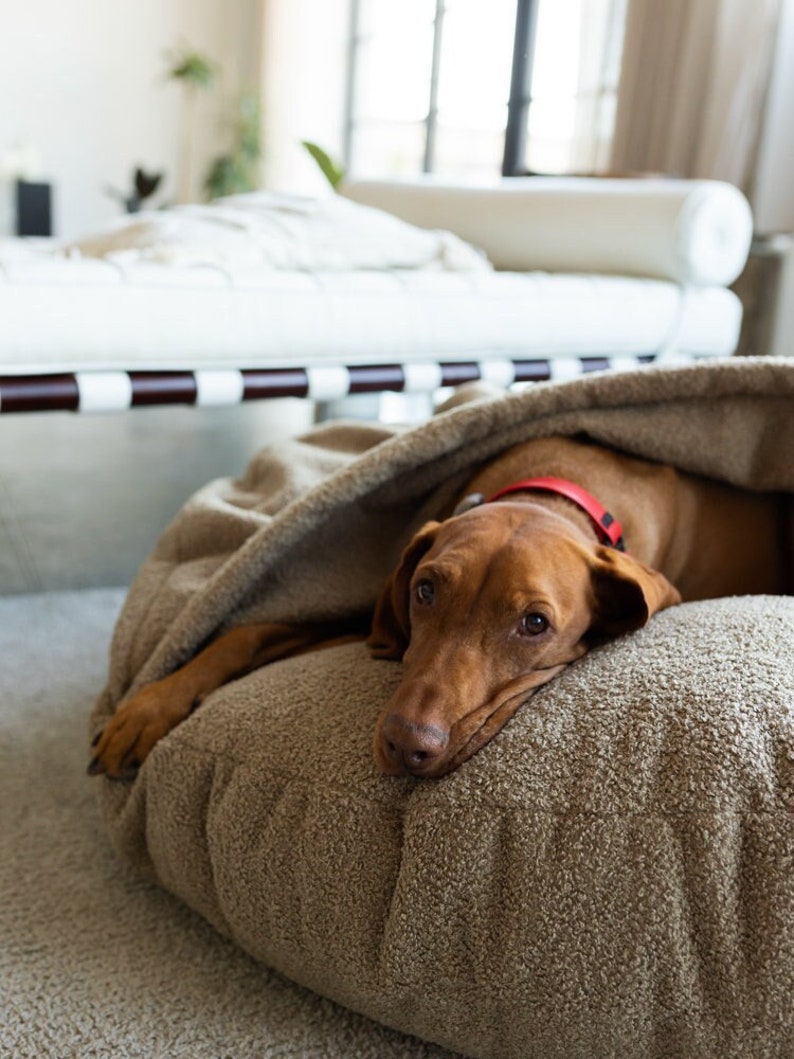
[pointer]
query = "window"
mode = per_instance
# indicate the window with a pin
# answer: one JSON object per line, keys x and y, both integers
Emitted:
{"x": 471, "y": 89}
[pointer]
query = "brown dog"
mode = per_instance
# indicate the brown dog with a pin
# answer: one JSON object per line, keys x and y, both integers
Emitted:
{"x": 495, "y": 601}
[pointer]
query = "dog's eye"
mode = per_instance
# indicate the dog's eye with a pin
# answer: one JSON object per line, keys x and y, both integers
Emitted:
{"x": 425, "y": 592}
{"x": 533, "y": 624}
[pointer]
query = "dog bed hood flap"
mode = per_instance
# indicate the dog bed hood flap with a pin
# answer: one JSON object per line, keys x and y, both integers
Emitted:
{"x": 315, "y": 524}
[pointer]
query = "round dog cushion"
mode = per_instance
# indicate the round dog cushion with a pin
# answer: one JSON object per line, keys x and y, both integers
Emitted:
{"x": 613, "y": 875}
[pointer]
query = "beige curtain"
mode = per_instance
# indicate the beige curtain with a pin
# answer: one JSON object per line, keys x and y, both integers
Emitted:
{"x": 693, "y": 84}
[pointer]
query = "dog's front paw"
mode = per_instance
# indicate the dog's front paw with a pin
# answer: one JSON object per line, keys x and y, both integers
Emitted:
{"x": 127, "y": 739}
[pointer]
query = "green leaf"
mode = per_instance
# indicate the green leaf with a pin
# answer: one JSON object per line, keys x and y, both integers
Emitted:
{"x": 332, "y": 171}
{"x": 193, "y": 68}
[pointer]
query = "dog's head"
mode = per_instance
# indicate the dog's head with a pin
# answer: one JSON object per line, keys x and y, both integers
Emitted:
{"x": 485, "y": 608}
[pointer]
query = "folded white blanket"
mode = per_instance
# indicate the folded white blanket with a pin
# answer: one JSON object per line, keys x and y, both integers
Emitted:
{"x": 279, "y": 231}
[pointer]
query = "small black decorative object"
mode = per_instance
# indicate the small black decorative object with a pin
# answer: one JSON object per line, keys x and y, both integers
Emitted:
{"x": 144, "y": 185}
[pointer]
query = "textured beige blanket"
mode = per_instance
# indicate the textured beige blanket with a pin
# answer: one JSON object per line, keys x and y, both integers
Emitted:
{"x": 613, "y": 875}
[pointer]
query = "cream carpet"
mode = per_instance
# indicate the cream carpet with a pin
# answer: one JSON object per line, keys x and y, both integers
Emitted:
{"x": 95, "y": 961}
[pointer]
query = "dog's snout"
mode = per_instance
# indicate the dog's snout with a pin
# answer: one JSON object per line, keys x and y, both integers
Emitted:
{"x": 411, "y": 746}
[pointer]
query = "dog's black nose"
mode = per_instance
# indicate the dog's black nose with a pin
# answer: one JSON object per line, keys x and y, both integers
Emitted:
{"x": 410, "y": 746}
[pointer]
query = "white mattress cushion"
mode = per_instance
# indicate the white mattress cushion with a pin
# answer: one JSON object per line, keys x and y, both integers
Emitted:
{"x": 64, "y": 315}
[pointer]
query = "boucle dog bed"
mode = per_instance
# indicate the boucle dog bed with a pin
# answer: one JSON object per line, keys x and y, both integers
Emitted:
{"x": 613, "y": 875}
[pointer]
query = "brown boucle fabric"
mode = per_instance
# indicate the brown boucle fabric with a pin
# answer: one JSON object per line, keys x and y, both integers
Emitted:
{"x": 613, "y": 875}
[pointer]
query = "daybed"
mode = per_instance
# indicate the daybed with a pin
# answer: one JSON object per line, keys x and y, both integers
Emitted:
{"x": 331, "y": 298}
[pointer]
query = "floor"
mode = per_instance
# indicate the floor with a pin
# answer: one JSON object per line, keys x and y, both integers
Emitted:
{"x": 84, "y": 497}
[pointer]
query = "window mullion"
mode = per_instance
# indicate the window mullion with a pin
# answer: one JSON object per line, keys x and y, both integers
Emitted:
{"x": 354, "y": 37}
{"x": 513, "y": 160}
{"x": 431, "y": 123}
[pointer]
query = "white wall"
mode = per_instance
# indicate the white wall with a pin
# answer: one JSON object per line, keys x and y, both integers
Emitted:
{"x": 304, "y": 59}
{"x": 82, "y": 83}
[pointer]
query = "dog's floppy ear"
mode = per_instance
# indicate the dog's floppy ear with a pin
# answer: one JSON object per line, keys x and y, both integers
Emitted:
{"x": 391, "y": 627}
{"x": 627, "y": 593}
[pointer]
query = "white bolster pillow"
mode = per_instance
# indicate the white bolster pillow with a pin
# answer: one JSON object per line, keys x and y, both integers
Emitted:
{"x": 690, "y": 231}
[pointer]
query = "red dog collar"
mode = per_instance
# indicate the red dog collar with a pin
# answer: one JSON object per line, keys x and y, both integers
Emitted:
{"x": 607, "y": 527}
